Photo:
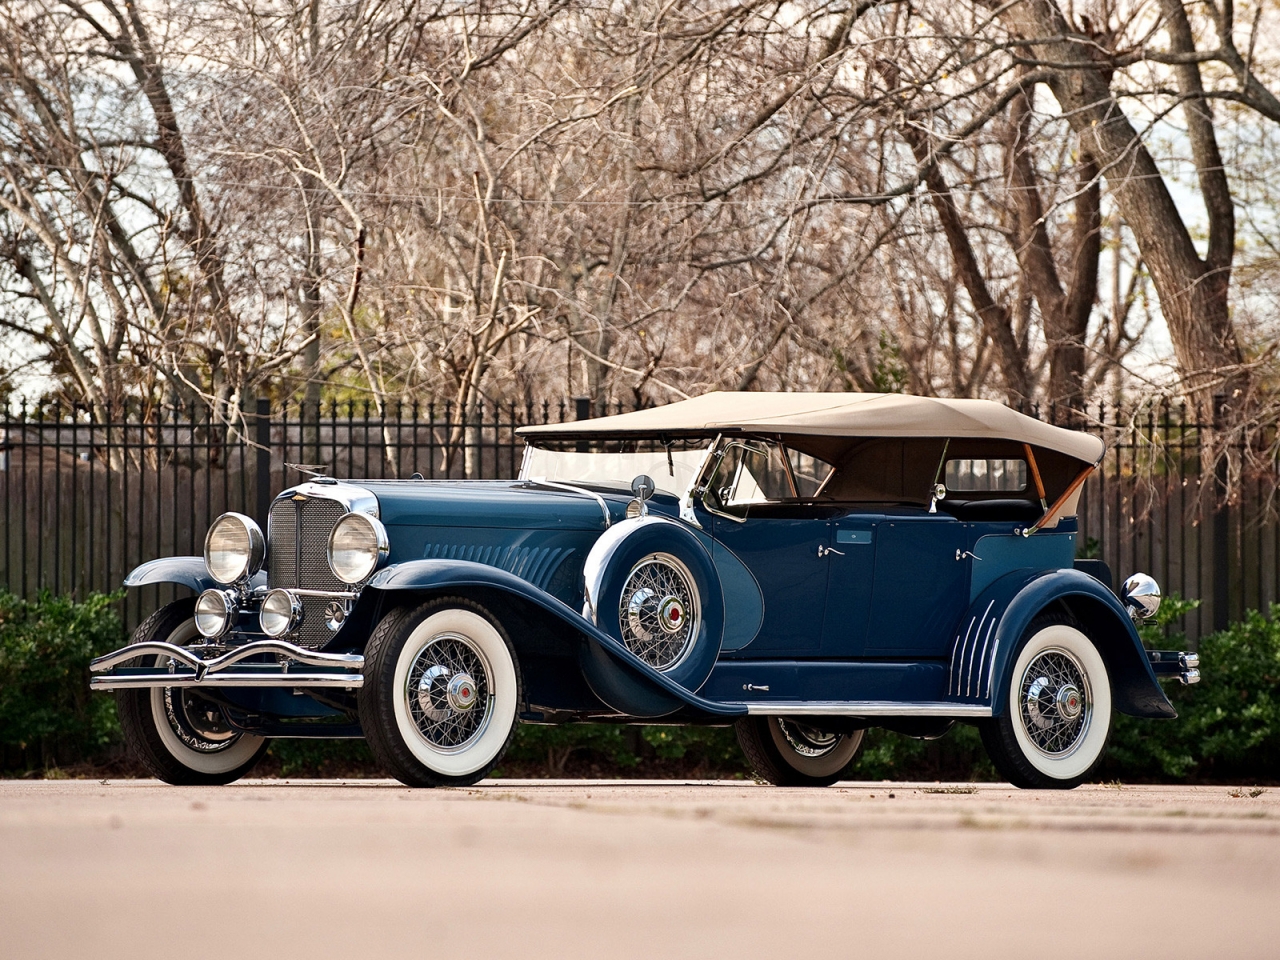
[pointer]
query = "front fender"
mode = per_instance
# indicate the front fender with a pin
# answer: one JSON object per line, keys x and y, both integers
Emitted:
{"x": 620, "y": 678}
{"x": 187, "y": 571}
{"x": 985, "y": 646}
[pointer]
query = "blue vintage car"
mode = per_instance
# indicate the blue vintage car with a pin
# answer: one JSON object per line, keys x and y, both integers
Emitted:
{"x": 802, "y": 566}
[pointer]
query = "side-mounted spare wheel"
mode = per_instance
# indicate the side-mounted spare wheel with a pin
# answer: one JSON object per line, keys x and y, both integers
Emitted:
{"x": 1057, "y": 717}
{"x": 653, "y": 586}
{"x": 179, "y": 736}
{"x": 441, "y": 692}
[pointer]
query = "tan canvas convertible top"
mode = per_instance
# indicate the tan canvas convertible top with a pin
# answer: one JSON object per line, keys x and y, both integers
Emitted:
{"x": 831, "y": 415}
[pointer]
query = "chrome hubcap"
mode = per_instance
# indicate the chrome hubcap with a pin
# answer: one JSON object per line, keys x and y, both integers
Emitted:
{"x": 462, "y": 692}
{"x": 658, "y": 611}
{"x": 1055, "y": 702}
{"x": 449, "y": 692}
{"x": 671, "y": 614}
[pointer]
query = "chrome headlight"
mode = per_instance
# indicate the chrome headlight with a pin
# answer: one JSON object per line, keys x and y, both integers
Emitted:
{"x": 281, "y": 612}
{"x": 215, "y": 609}
{"x": 234, "y": 548}
{"x": 358, "y": 545}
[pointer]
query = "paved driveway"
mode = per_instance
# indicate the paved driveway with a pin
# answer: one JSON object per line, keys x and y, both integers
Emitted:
{"x": 566, "y": 869}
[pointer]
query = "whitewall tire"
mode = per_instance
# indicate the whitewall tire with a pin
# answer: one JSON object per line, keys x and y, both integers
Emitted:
{"x": 442, "y": 693}
{"x": 178, "y": 735}
{"x": 1057, "y": 710}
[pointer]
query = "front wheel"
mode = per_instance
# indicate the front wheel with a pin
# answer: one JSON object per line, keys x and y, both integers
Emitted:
{"x": 792, "y": 753}
{"x": 1057, "y": 717}
{"x": 178, "y": 735}
{"x": 441, "y": 693}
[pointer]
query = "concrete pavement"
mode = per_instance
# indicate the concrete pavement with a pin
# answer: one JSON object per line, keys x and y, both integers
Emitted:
{"x": 601, "y": 869}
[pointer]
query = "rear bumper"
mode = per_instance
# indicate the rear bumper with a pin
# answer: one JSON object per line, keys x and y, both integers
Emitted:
{"x": 1168, "y": 664}
{"x": 177, "y": 666}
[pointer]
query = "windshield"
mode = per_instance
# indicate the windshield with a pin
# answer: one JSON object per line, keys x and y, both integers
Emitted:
{"x": 671, "y": 473}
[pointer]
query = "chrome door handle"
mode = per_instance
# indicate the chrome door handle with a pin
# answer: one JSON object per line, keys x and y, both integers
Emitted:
{"x": 825, "y": 551}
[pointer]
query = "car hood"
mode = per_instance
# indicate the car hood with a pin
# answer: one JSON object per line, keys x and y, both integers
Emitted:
{"x": 484, "y": 503}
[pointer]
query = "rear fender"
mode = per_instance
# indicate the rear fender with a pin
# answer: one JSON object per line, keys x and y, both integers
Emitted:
{"x": 987, "y": 640}
{"x": 618, "y": 677}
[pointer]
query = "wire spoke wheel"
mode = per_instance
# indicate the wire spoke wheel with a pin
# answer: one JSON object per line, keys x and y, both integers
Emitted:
{"x": 659, "y": 611}
{"x": 449, "y": 692}
{"x": 808, "y": 741}
{"x": 1056, "y": 705}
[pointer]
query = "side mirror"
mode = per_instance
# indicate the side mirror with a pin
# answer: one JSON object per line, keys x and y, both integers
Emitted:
{"x": 642, "y": 487}
{"x": 1140, "y": 595}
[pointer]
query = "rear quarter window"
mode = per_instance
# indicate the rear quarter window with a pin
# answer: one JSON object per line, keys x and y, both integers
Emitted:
{"x": 974, "y": 475}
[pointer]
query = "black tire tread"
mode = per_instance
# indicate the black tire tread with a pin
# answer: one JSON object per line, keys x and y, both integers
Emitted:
{"x": 137, "y": 722}
{"x": 376, "y": 696}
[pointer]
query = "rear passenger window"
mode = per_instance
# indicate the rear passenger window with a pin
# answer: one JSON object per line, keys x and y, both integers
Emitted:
{"x": 972, "y": 476}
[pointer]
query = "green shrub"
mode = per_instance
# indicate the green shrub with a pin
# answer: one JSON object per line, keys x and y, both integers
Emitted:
{"x": 47, "y": 714}
{"x": 1228, "y": 725}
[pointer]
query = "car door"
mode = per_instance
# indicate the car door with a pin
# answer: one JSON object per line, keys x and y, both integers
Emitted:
{"x": 920, "y": 585}
{"x": 850, "y": 577}
{"x": 784, "y": 545}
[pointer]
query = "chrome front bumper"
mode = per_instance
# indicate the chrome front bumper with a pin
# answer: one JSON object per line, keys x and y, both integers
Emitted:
{"x": 183, "y": 667}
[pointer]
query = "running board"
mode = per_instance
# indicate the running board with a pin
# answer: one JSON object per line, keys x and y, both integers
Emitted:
{"x": 183, "y": 667}
{"x": 866, "y": 708}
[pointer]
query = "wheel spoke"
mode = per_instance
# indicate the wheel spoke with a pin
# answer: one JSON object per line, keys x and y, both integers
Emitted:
{"x": 1054, "y": 701}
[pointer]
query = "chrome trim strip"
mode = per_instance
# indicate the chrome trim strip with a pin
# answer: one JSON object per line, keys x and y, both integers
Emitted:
{"x": 349, "y": 661}
{"x": 991, "y": 671}
{"x": 961, "y": 647}
{"x": 979, "y": 658}
{"x": 557, "y": 485}
{"x": 351, "y": 681}
{"x": 865, "y": 708}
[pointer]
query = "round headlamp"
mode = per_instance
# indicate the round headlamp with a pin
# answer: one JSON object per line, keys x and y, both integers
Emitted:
{"x": 281, "y": 612}
{"x": 358, "y": 545}
{"x": 215, "y": 609}
{"x": 234, "y": 548}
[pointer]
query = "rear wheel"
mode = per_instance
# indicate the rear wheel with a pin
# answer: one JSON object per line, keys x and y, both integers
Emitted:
{"x": 792, "y": 753}
{"x": 441, "y": 693}
{"x": 1057, "y": 716}
{"x": 178, "y": 735}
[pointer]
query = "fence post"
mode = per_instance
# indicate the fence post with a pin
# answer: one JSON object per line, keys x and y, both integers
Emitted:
{"x": 262, "y": 482}
{"x": 1221, "y": 540}
{"x": 582, "y": 411}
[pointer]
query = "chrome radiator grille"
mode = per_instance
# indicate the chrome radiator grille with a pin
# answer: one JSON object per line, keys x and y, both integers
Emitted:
{"x": 297, "y": 556}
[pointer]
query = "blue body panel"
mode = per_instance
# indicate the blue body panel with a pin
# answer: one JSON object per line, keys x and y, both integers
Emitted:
{"x": 808, "y": 680}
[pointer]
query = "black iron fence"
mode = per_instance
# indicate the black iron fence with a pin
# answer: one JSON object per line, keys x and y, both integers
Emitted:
{"x": 85, "y": 502}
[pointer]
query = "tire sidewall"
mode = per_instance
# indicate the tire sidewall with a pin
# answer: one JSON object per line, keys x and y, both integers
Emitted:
{"x": 504, "y": 685}
{"x": 1076, "y": 766}
{"x": 644, "y": 540}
